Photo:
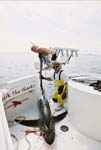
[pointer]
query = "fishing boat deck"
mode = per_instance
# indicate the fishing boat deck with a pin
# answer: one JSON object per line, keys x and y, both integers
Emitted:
{"x": 71, "y": 139}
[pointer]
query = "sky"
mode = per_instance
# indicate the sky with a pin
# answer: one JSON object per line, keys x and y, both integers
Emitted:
{"x": 71, "y": 24}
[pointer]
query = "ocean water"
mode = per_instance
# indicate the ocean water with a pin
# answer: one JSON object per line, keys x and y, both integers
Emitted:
{"x": 13, "y": 66}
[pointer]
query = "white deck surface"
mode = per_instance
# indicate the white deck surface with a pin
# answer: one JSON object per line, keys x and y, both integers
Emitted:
{"x": 70, "y": 140}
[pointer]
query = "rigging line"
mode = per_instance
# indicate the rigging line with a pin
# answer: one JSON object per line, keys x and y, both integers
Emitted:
{"x": 28, "y": 142}
{"x": 35, "y": 147}
{"x": 17, "y": 147}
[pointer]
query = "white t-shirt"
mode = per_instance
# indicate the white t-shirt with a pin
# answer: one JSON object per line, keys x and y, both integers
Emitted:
{"x": 63, "y": 76}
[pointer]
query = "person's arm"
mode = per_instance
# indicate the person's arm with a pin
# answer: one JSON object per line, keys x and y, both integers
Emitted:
{"x": 46, "y": 78}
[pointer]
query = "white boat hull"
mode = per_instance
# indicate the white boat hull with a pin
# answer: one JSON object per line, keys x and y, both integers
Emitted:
{"x": 84, "y": 108}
